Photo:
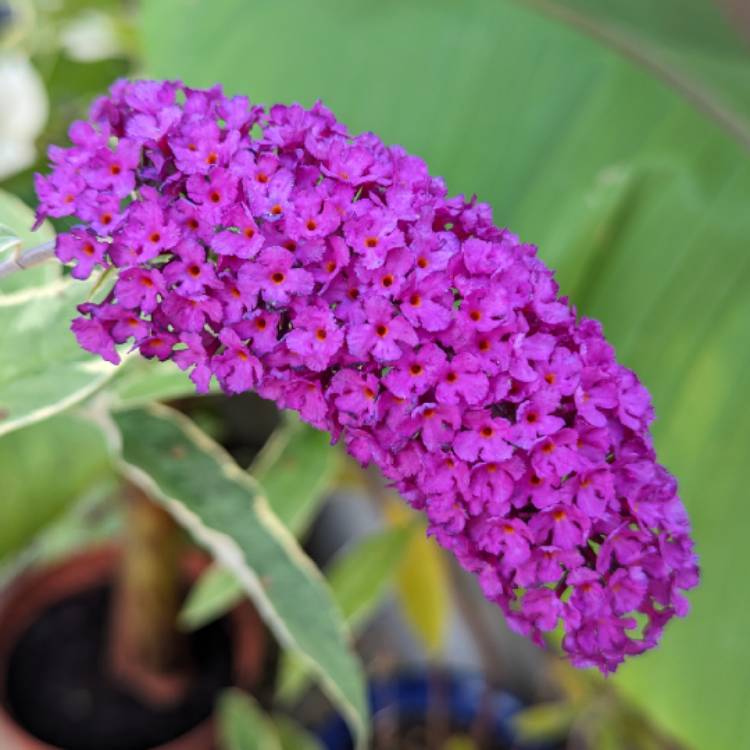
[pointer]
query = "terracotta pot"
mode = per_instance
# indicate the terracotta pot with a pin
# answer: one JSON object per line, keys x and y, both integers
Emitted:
{"x": 32, "y": 593}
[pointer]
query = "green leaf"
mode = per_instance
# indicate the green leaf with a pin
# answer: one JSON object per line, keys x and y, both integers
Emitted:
{"x": 16, "y": 220}
{"x": 292, "y": 736}
{"x": 532, "y": 116}
{"x": 243, "y": 725}
{"x": 703, "y": 55}
{"x": 223, "y": 508}
{"x": 359, "y": 580}
{"x": 296, "y": 467}
{"x": 45, "y": 468}
{"x": 141, "y": 381}
{"x": 42, "y": 369}
{"x": 214, "y": 594}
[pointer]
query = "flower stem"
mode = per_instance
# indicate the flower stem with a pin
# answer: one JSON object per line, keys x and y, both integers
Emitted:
{"x": 23, "y": 259}
{"x": 148, "y": 654}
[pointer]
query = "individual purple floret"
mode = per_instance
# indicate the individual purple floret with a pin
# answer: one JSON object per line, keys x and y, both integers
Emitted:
{"x": 273, "y": 251}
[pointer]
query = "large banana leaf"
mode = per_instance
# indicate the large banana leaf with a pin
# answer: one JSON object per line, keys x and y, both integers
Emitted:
{"x": 638, "y": 198}
{"x": 695, "y": 45}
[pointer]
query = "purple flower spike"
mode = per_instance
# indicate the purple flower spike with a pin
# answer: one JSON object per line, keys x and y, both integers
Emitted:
{"x": 333, "y": 275}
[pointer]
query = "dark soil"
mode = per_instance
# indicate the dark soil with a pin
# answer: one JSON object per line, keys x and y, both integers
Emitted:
{"x": 58, "y": 691}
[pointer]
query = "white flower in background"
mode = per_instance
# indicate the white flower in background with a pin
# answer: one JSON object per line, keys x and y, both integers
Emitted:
{"x": 91, "y": 36}
{"x": 24, "y": 108}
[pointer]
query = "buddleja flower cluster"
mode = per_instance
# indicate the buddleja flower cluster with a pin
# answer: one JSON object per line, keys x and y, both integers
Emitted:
{"x": 274, "y": 251}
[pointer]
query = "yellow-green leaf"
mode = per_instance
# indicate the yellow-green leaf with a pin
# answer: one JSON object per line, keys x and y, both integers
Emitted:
{"x": 422, "y": 583}
{"x": 545, "y": 721}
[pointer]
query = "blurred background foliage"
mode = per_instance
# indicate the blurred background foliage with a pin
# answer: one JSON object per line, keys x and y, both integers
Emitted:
{"x": 612, "y": 133}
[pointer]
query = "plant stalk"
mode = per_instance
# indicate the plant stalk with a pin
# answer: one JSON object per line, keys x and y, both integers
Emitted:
{"x": 147, "y": 652}
{"x": 21, "y": 260}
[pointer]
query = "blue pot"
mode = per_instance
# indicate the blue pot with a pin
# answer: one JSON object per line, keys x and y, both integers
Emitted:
{"x": 464, "y": 697}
